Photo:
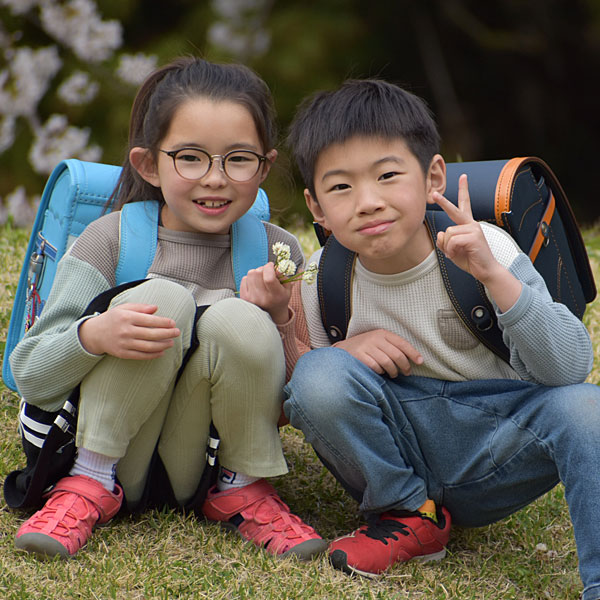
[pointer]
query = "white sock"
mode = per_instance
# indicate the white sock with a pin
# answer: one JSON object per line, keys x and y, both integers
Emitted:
{"x": 231, "y": 479}
{"x": 97, "y": 466}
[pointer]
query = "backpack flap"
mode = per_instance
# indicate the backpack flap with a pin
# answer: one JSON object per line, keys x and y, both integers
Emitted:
{"x": 529, "y": 202}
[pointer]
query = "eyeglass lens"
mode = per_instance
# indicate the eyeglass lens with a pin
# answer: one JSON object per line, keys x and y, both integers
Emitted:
{"x": 240, "y": 165}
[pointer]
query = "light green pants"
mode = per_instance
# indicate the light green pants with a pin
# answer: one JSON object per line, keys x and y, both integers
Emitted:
{"x": 235, "y": 378}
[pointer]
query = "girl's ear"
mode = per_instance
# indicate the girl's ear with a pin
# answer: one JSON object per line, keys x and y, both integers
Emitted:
{"x": 315, "y": 209}
{"x": 436, "y": 176}
{"x": 271, "y": 158}
{"x": 142, "y": 161}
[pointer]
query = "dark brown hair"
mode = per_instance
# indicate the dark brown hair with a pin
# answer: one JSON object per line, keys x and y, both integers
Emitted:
{"x": 367, "y": 107}
{"x": 166, "y": 89}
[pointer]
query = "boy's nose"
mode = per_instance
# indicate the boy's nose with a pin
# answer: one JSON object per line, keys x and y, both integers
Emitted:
{"x": 369, "y": 201}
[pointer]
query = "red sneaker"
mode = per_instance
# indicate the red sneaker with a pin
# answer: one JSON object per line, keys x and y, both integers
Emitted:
{"x": 373, "y": 548}
{"x": 64, "y": 525}
{"x": 257, "y": 513}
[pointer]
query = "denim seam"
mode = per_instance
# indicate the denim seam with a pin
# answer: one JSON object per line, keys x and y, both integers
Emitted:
{"x": 497, "y": 415}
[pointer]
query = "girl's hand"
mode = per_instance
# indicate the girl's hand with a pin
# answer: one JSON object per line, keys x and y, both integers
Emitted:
{"x": 130, "y": 331}
{"x": 262, "y": 287}
{"x": 382, "y": 351}
{"x": 465, "y": 245}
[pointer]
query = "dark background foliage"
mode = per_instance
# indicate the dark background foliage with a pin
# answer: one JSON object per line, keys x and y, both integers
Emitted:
{"x": 504, "y": 78}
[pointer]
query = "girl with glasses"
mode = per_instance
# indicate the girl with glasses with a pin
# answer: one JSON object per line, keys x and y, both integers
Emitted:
{"x": 201, "y": 141}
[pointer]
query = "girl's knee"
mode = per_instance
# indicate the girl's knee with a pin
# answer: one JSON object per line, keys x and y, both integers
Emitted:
{"x": 172, "y": 299}
{"x": 241, "y": 329}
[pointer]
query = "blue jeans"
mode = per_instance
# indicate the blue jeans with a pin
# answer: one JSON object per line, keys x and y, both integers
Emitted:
{"x": 483, "y": 449}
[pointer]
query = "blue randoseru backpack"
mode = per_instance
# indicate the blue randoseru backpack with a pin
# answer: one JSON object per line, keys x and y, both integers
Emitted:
{"x": 523, "y": 196}
{"x": 76, "y": 194}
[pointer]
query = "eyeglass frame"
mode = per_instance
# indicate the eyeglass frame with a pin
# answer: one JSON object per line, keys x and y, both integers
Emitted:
{"x": 173, "y": 153}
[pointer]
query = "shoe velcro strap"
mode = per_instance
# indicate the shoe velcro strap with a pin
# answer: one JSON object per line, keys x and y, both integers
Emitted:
{"x": 107, "y": 503}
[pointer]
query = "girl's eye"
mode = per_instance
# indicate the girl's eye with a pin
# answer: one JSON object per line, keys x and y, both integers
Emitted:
{"x": 339, "y": 186}
{"x": 191, "y": 157}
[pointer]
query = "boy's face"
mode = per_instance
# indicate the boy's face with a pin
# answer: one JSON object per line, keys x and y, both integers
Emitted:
{"x": 372, "y": 195}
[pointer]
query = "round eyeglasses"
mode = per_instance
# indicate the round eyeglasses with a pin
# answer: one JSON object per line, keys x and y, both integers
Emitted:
{"x": 194, "y": 163}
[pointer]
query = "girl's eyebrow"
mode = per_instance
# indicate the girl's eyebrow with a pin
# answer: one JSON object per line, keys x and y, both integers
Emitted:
{"x": 234, "y": 146}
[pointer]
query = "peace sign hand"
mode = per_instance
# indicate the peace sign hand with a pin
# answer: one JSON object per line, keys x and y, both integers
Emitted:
{"x": 464, "y": 243}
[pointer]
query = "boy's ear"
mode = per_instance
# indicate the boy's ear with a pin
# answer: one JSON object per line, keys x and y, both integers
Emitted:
{"x": 271, "y": 158}
{"x": 315, "y": 209}
{"x": 436, "y": 176}
{"x": 142, "y": 161}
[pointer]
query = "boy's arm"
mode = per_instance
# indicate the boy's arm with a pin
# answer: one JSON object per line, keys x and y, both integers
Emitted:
{"x": 548, "y": 344}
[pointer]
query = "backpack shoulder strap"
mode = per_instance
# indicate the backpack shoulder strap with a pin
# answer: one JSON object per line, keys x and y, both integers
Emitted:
{"x": 334, "y": 286}
{"x": 249, "y": 246}
{"x": 467, "y": 295}
{"x": 138, "y": 236}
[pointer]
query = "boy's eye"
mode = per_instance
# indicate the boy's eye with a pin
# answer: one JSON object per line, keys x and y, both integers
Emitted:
{"x": 388, "y": 175}
{"x": 339, "y": 186}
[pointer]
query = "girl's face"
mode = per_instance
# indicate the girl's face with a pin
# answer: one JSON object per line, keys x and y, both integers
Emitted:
{"x": 210, "y": 204}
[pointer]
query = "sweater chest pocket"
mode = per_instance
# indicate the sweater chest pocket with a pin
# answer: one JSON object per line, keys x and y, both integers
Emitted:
{"x": 453, "y": 332}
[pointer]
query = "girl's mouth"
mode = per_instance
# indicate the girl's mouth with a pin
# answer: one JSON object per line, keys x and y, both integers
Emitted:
{"x": 212, "y": 203}
{"x": 213, "y": 206}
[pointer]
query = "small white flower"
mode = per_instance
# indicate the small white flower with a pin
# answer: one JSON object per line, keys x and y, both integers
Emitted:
{"x": 78, "y": 89}
{"x": 281, "y": 251}
{"x": 56, "y": 140}
{"x": 286, "y": 267}
{"x": 134, "y": 68}
{"x": 310, "y": 273}
{"x": 19, "y": 207}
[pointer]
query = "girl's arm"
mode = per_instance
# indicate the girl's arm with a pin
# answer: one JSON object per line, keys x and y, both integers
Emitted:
{"x": 50, "y": 360}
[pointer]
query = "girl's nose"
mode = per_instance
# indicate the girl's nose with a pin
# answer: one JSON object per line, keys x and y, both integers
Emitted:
{"x": 215, "y": 176}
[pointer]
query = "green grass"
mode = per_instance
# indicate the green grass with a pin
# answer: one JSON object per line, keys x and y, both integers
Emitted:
{"x": 164, "y": 555}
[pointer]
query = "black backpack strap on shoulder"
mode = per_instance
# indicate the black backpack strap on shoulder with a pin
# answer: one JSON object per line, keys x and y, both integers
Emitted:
{"x": 467, "y": 295}
{"x": 334, "y": 286}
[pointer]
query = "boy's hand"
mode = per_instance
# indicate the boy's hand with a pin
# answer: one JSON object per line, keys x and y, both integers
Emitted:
{"x": 382, "y": 351}
{"x": 130, "y": 331}
{"x": 262, "y": 287}
{"x": 465, "y": 245}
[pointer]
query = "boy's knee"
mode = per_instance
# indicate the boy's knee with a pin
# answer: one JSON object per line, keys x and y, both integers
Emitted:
{"x": 320, "y": 385}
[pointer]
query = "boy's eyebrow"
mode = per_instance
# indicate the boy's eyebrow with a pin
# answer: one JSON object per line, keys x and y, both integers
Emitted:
{"x": 384, "y": 159}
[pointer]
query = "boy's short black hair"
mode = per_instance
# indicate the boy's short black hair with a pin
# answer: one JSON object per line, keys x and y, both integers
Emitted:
{"x": 361, "y": 107}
